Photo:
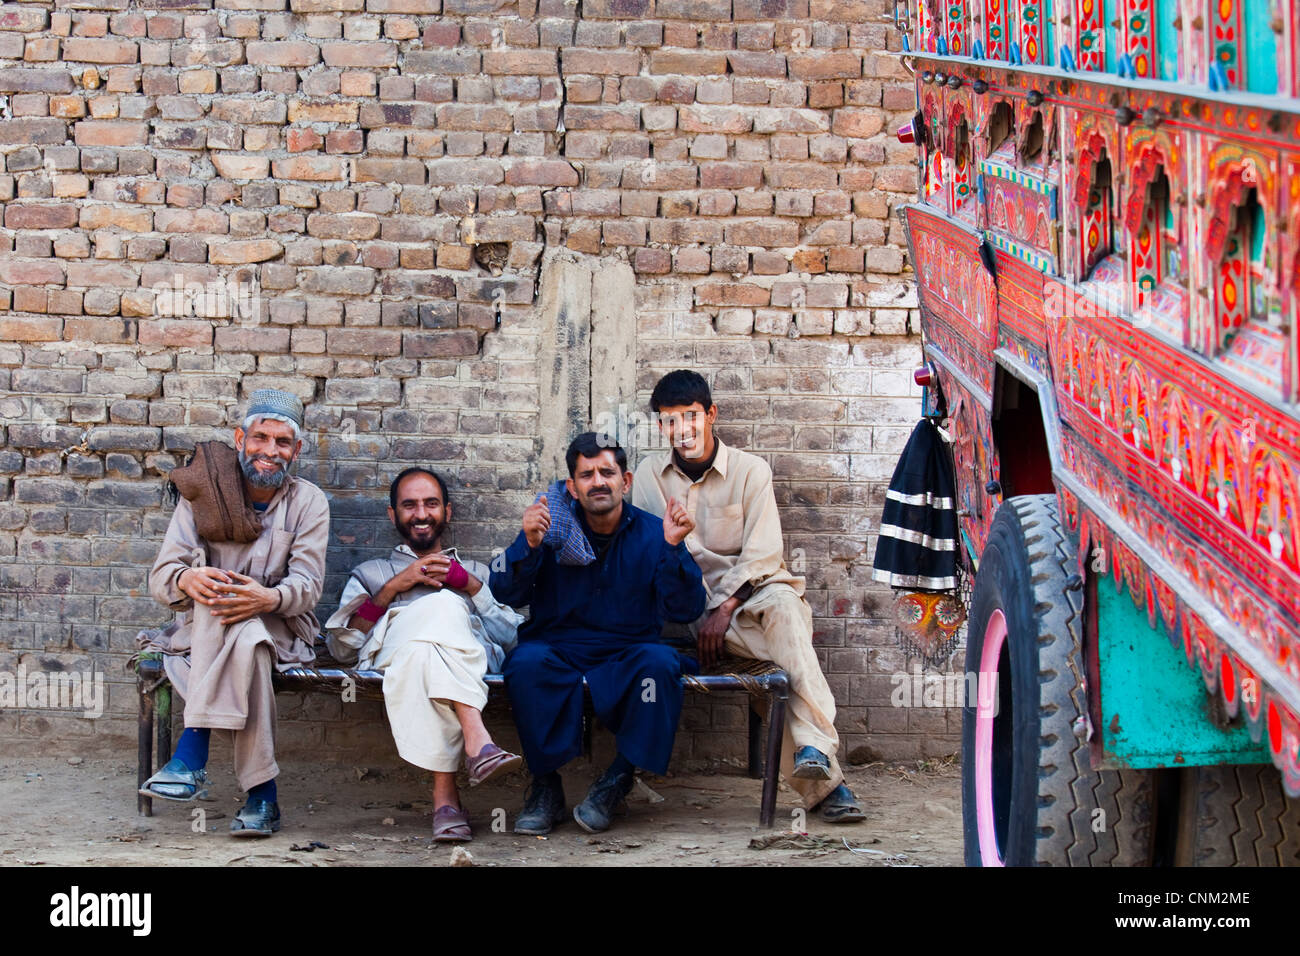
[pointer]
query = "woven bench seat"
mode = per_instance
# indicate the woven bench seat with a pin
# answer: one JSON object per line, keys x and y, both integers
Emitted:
{"x": 759, "y": 679}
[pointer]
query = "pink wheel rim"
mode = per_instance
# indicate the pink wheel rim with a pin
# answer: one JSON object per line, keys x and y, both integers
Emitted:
{"x": 995, "y": 635}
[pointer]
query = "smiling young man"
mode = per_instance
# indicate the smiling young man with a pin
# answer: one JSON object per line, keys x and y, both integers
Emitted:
{"x": 600, "y": 620}
{"x": 243, "y": 561}
{"x": 756, "y": 607}
{"x": 425, "y": 617}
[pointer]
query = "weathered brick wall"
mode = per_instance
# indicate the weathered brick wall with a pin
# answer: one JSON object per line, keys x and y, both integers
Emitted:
{"x": 360, "y": 201}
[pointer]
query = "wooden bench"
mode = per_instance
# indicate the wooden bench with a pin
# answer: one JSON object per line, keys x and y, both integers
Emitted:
{"x": 757, "y": 678}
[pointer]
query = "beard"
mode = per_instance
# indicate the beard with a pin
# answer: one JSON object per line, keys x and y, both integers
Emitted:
{"x": 256, "y": 478}
{"x": 422, "y": 538}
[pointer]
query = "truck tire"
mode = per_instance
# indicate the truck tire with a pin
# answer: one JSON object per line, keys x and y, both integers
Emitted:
{"x": 1029, "y": 796}
{"x": 1236, "y": 816}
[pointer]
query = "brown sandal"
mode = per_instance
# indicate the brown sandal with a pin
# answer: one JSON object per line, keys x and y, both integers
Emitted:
{"x": 451, "y": 825}
{"x": 491, "y": 760}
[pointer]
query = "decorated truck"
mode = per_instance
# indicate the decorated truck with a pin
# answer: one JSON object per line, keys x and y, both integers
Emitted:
{"x": 1106, "y": 242}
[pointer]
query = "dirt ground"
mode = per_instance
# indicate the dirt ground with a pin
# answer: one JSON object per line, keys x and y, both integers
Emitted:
{"x": 59, "y": 812}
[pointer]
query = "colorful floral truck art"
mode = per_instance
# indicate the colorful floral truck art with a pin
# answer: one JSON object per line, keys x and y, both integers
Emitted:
{"x": 1107, "y": 247}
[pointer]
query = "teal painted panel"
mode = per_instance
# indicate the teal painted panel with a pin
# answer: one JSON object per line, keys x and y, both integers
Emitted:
{"x": 1166, "y": 40}
{"x": 1256, "y": 231}
{"x": 1154, "y": 706}
{"x": 1109, "y": 16}
{"x": 1261, "y": 47}
{"x": 1049, "y": 34}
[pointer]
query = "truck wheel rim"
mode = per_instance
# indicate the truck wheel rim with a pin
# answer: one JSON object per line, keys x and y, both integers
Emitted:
{"x": 995, "y": 634}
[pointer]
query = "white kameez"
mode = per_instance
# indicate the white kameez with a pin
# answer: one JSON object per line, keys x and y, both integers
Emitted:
{"x": 433, "y": 650}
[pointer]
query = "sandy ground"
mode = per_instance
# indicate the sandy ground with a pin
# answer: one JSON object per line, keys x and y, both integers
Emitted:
{"x": 59, "y": 812}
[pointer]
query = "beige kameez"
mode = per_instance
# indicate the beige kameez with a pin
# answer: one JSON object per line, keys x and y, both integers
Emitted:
{"x": 222, "y": 671}
{"x": 737, "y": 540}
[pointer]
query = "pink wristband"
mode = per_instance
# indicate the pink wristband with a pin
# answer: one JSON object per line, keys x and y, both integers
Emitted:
{"x": 370, "y": 611}
{"x": 457, "y": 577}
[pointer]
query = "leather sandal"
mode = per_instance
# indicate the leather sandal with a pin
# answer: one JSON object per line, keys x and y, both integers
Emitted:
{"x": 451, "y": 825}
{"x": 490, "y": 762}
{"x": 811, "y": 764}
{"x": 841, "y": 806}
{"x": 175, "y": 781}
{"x": 256, "y": 818}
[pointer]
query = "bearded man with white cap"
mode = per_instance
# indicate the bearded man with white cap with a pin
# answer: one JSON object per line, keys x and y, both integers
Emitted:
{"x": 243, "y": 562}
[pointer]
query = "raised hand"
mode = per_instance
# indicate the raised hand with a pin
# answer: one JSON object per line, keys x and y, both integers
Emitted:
{"x": 537, "y": 519}
{"x": 677, "y": 522}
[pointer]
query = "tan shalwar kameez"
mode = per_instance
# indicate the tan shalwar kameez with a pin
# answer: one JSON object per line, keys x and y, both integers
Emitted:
{"x": 224, "y": 671}
{"x": 737, "y": 540}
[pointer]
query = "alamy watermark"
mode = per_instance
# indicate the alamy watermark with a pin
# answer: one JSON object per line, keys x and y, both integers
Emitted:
{"x": 1135, "y": 299}
{"x": 236, "y": 297}
{"x": 631, "y": 428}
{"x": 636, "y": 430}
{"x": 1100, "y": 300}
{"x": 969, "y": 689}
{"x": 75, "y": 909}
{"x": 25, "y": 689}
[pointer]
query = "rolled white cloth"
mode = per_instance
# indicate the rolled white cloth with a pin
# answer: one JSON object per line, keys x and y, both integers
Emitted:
{"x": 430, "y": 658}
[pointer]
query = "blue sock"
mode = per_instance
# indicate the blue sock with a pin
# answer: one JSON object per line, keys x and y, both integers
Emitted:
{"x": 621, "y": 766}
{"x": 192, "y": 748}
{"x": 264, "y": 791}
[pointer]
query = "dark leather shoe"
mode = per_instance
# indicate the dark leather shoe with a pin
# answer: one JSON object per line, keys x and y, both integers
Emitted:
{"x": 256, "y": 818}
{"x": 543, "y": 808}
{"x": 595, "y": 812}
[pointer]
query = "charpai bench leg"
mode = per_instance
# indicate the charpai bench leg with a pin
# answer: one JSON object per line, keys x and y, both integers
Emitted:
{"x": 755, "y": 765}
{"x": 772, "y": 768}
{"x": 162, "y": 705}
{"x": 144, "y": 748}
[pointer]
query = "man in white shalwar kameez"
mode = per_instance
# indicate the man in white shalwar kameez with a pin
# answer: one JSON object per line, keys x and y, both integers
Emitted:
{"x": 428, "y": 621}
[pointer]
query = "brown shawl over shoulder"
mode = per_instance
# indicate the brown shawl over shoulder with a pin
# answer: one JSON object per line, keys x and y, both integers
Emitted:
{"x": 213, "y": 484}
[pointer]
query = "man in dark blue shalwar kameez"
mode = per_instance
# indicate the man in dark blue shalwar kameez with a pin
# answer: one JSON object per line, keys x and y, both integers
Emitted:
{"x": 600, "y": 620}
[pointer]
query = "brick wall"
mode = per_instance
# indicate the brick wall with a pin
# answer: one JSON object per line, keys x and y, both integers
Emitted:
{"x": 366, "y": 202}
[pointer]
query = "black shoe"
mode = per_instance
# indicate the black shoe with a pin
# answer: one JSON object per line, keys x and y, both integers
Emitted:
{"x": 256, "y": 818}
{"x": 594, "y": 813}
{"x": 543, "y": 807}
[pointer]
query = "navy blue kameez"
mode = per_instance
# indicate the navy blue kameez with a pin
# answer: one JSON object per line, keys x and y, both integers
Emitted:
{"x": 601, "y": 621}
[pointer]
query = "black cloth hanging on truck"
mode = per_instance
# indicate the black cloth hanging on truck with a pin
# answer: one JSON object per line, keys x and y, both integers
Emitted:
{"x": 917, "y": 546}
